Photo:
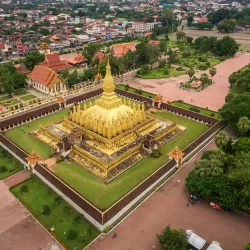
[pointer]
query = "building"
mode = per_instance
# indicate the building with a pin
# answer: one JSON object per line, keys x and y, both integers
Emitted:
{"x": 51, "y": 18}
{"x": 21, "y": 49}
{"x": 54, "y": 62}
{"x": 141, "y": 27}
{"x": 44, "y": 48}
{"x": 107, "y": 137}
{"x": 100, "y": 56}
{"x": 46, "y": 81}
{"x": 122, "y": 48}
{"x": 75, "y": 59}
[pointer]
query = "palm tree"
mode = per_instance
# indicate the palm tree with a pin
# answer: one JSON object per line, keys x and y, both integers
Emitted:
{"x": 212, "y": 72}
{"x": 222, "y": 139}
{"x": 243, "y": 125}
{"x": 191, "y": 73}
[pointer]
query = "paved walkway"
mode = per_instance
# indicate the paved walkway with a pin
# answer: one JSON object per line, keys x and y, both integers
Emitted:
{"x": 212, "y": 97}
{"x": 168, "y": 206}
{"x": 18, "y": 229}
{"x": 17, "y": 178}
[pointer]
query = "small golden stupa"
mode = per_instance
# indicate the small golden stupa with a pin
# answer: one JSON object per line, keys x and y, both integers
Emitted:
{"x": 44, "y": 48}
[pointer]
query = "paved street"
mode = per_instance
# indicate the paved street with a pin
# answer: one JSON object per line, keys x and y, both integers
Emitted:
{"x": 169, "y": 206}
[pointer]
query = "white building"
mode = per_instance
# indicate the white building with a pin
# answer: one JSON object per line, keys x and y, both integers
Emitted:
{"x": 141, "y": 27}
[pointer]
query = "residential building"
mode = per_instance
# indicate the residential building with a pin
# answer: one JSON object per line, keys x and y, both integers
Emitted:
{"x": 141, "y": 27}
{"x": 51, "y": 18}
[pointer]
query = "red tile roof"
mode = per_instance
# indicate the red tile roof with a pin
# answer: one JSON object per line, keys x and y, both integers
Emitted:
{"x": 54, "y": 62}
{"x": 77, "y": 59}
{"x": 122, "y": 49}
{"x": 20, "y": 68}
{"x": 154, "y": 42}
{"x": 100, "y": 56}
{"x": 44, "y": 76}
{"x": 2, "y": 46}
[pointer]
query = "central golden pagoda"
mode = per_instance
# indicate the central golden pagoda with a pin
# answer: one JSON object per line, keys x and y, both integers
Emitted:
{"x": 109, "y": 136}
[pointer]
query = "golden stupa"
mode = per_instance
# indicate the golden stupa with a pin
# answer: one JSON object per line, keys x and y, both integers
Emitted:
{"x": 107, "y": 136}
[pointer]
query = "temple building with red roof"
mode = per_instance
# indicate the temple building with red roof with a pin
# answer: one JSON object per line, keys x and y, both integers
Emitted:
{"x": 47, "y": 81}
{"x": 123, "y": 48}
{"x": 75, "y": 59}
{"x": 53, "y": 61}
{"x": 100, "y": 56}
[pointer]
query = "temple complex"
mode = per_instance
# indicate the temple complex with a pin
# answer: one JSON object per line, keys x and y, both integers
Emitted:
{"x": 108, "y": 135}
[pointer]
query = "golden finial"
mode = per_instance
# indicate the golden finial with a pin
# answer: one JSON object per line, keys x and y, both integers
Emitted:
{"x": 108, "y": 82}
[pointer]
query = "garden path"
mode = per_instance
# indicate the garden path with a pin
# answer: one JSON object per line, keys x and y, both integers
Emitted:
{"x": 17, "y": 178}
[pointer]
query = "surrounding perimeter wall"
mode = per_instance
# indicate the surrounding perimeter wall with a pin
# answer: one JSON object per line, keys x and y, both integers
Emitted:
{"x": 96, "y": 216}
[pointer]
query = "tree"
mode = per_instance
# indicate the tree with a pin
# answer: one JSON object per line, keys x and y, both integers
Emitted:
{"x": 227, "y": 25}
{"x": 73, "y": 78}
{"x": 227, "y": 46}
{"x": 247, "y": 246}
{"x": 189, "y": 39}
{"x": 236, "y": 108}
{"x": 222, "y": 139}
{"x": 44, "y": 32}
{"x": 212, "y": 72}
{"x": 205, "y": 44}
{"x": 167, "y": 17}
{"x": 243, "y": 125}
{"x": 32, "y": 59}
{"x": 204, "y": 79}
{"x": 211, "y": 167}
{"x": 172, "y": 239}
{"x": 202, "y": 26}
{"x": 71, "y": 234}
{"x": 46, "y": 210}
{"x": 191, "y": 73}
{"x": 162, "y": 63}
{"x": 242, "y": 145}
{"x": 144, "y": 70}
{"x": 8, "y": 83}
{"x": 20, "y": 80}
{"x": 162, "y": 46}
{"x": 180, "y": 35}
{"x": 190, "y": 18}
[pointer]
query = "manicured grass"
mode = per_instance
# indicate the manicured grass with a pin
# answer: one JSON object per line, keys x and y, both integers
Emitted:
{"x": 10, "y": 102}
{"x": 27, "y": 141}
{"x": 4, "y": 98}
{"x": 193, "y": 61}
{"x": 103, "y": 195}
{"x": 160, "y": 73}
{"x": 214, "y": 61}
{"x": 133, "y": 90}
{"x": 20, "y": 93}
{"x": 8, "y": 164}
{"x": 27, "y": 97}
{"x": 62, "y": 216}
{"x": 202, "y": 111}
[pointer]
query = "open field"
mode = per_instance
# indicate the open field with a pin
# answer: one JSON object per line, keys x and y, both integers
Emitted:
{"x": 8, "y": 164}
{"x": 28, "y": 142}
{"x": 105, "y": 195}
{"x": 62, "y": 216}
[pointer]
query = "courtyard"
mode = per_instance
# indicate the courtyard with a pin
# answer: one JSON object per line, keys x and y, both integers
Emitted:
{"x": 212, "y": 97}
{"x": 168, "y": 206}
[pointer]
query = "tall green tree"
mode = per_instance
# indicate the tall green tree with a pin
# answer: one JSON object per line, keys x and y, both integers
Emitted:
{"x": 32, "y": 59}
{"x": 227, "y": 46}
{"x": 222, "y": 139}
{"x": 243, "y": 125}
{"x": 212, "y": 72}
{"x": 172, "y": 239}
{"x": 191, "y": 73}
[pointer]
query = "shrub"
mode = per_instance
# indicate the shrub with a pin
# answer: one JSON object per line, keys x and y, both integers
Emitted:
{"x": 66, "y": 209}
{"x": 46, "y": 210}
{"x": 166, "y": 72}
{"x": 138, "y": 91}
{"x": 24, "y": 189}
{"x": 83, "y": 236}
{"x": 194, "y": 109}
{"x": 71, "y": 234}
{"x": 247, "y": 246}
{"x": 3, "y": 169}
{"x": 58, "y": 199}
{"x": 179, "y": 69}
{"x": 156, "y": 153}
{"x": 180, "y": 101}
{"x": 126, "y": 87}
{"x": 212, "y": 114}
{"x": 202, "y": 66}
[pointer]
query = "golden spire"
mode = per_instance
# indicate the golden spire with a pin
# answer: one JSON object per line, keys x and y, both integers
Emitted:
{"x": 108, "y": 82}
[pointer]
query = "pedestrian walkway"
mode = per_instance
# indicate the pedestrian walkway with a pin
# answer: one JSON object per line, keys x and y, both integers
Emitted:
{"x": 17, "y": 178}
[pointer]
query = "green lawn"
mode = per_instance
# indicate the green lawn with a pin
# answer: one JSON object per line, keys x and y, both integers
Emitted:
{"x": 193, "y": 61}
{"x": 22, "y": 92}
{"x": 133, "y": 90}
{"x": 27, "y": 97}
{"x": 10, "y": 102}
{"x": 160, "y": 73}
{"x": 4, "y": 98}
{"x": 8, "y": 164}
{"x": 202, "y": 111}
{"x": 62, "y": 216}
{"x": 28, "y": 142}
{"x": 105, "y": 195}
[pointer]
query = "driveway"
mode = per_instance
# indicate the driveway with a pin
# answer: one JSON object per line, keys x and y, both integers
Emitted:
{"x": 169, "y": 206}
